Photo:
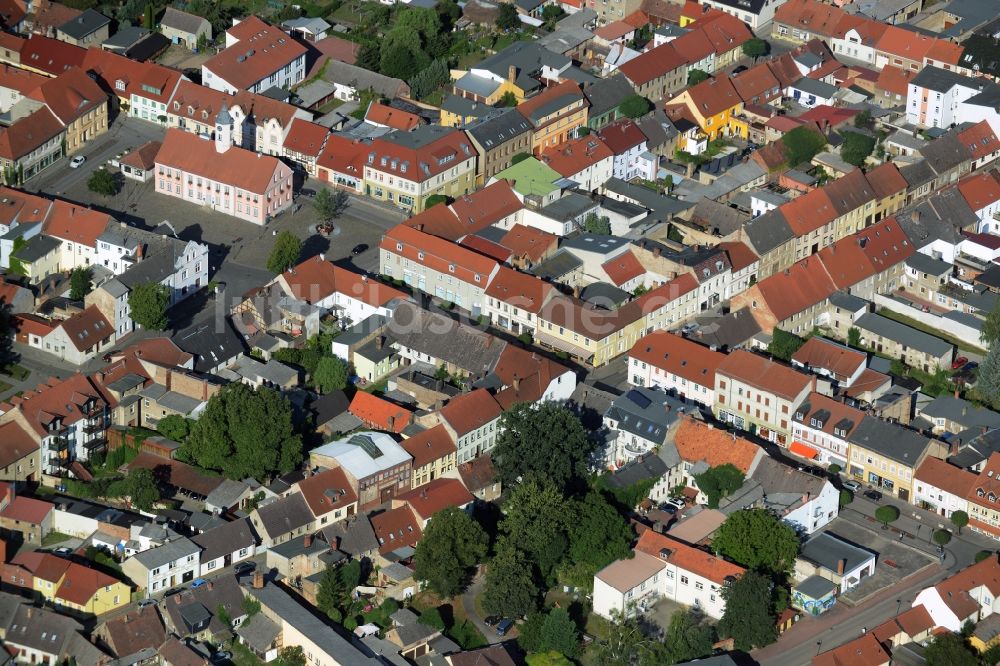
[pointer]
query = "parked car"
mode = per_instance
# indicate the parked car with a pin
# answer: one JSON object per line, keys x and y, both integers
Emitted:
{"x": 220, "y": 657}
{"x": 504, "y": 626}
{"x": 305, "y": 192}
{"x": 677, "y": 502}
{"x": 244, "y": 567}
{"x": 198, "y": 583}
{"x": 873, "y": 495}
{"x": 359, "y": 248}
{"x": 959, "y": 362}
{"x": 668, "y": 507}
{"x": 970, "y": 366}
{"x": 492, "y": 620}
{"x": 172, "y": 591}
{"x": 77, "y": 162}
{"x": 853, "y": 486}
{"x": 146, "y": 602}
{"x": 689, "y": 327}
{"x": 63, "y": 551}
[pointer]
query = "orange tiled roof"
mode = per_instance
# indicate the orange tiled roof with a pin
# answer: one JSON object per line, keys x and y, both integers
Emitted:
{"x": 469, "y": 213}
{"x": 863, "y": 651}
{"x": 383, "y": 114}
{"x": 951, "y": 479}
{"x": 51, "y": 55}
{"x": 271, "y": 50}
{"x": 697, "y": 441}
{"x": 342, "y": 155}
{"x": 870, "y": 251}
{"x": 688, "y": 558}
{"x": 809, "y": 212}
{"x": 243, "y": 169}
{"x": 896, "y": 80}
{"x": 575, "y": 155}
{"x": 797, "y": 288}
{"x": 623, "y": 268}
{"x": 430, "y": 498}
{"x": 470, "y": 411}
{"x": 529, "y": 242}
{"x": 438, "y": 254}
{"x": 396, "y": 528}
{"x": 652, "y": 64}
{"x": 429, "y": 445}
{"x": 450, "y": 147}
{"x": 816, "y": 17}
{"x": 519, "y": 290}
{"x": 980, "y": 189}
{"x": 764, "y": 374}
{"x": 842, "y": 361}
{"x": 76, "y": 223}
{"x": 955, "y": 589}
{"x": 713, "y": 96}
{"x": 306, "y": 138}
{"x": 81, "y": 584}
{"x": 327, "y": 491}
{"x": 679, "y": 356}
{"x": 379, "y": 413}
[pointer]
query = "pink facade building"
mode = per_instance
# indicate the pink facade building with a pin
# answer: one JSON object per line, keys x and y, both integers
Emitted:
{"x": 221, "y": 176}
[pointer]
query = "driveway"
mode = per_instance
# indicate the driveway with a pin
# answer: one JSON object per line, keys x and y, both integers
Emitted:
{"x": 469, "y": 605}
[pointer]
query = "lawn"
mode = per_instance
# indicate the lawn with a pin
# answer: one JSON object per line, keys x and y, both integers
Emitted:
{"x": 52, "y": 538}
{"x": 242, "y": 656}
{"x": 458, "y": 626}
{"x": 961, "y": 344}
{"x": 18, "y": 372}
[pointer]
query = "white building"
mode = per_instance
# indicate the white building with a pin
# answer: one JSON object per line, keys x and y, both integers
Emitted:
{"x": 638, "y": 423}
{"x": 942, "y": 488}
{"x": 257, "y": 57}
{"x": 225, "y": 545}
{"x": 675, "y": 364}
{"x": 820, "y": 430}
{"x": 663, "y": 568}
{"x": 934, "y": 97}
{"x": 158, "y": 569}
{"x": 969, "y": 595}
{"x": 632, "y": 158}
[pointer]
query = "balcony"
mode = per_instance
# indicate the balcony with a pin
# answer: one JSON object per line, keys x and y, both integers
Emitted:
{"x": 91, "y": 428}
{"x": 96, "y": 444}
{"x": 58, "y": 444}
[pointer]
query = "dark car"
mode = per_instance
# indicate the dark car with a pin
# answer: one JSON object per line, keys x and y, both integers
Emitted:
{"x": 504, "y": 626}
{"x": 172, "y": 591}
{"x": 873, "y": 495}
{"x": 669, "y": 508}
{"x": 244, "y": 567}
{"x": 307, "y": 193}
{"x": 359, "y": 248}
{"x": 492, "y": 620}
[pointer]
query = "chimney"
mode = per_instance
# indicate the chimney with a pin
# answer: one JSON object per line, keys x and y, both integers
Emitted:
{"x": 656, "y": 251}
{"x": 307, "y": 540}
{"x": 512, "y": 73}
{"x": 915, "y": 215}
{"x": 841, "y": 564}
{"x": 576, "y": 292}
{"x": 258, "y": 581}
{"x": 138, "y": 252}
{"x": 177, "y": 599}
{"x": 516, "y": 383}
{"x": 391, "y": 422}
{"x": 210, "y": 586}
{"x": 379, "y": 342}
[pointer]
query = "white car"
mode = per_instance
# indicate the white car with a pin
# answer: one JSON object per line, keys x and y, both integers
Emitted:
{"x": 853, "y": 486}
{"x": 77, "y": 162}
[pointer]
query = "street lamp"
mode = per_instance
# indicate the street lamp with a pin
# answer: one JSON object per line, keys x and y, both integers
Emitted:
{"x": 819, "y": 645}
{"x": 898, "y": 603}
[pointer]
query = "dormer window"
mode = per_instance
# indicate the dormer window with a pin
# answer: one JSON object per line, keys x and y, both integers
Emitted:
{"x": 399, "y": 247}
{"x": 420, "y": 256}
{"x": 119, "y": 85}
{"x": 451, "y": 268}
{"x": 979, "y": 492}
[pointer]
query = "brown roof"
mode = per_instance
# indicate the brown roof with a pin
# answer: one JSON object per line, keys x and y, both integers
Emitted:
{"x": 306, "y": 138}
{"x": 895, "y": 79}
{"x": 54, "y": 400}
{"x": 622, "y": 135}
{"x": 757, "y": 83}
{"x": 342, "y": 155}
{"x": 51, "y": 55}
{"x": 383, "y": 114}
{"x": 76, "y": 223}
{"x": 129, "y": 633}
{"x": 532, "y": 373}
{"x": 260, "y": 50}
{"x": 81, "y": 584}
{"x": 19, "y": 79}
{"x": 567, "y": 92}
{"x": 726, "y": 32}
{"x": 529, "y": 243}
{"x": 885, "y": 180}
{"x": 15, "y": 443}
{"x": 429, "y": 445}
{"x": 494, "y": 655}
{"x": 175, "y": 653}
{"x": 697, "y": 441}
{"x": 679, "y": 356}
{"x": 980, "y": 139}
{"x": 27, "y": 510}
{"x": 327, "y": 491}
{"x": 951, "y": 479}
{"x": 863, "y": 651}
{"x": 838, "y": 415}
{"x": 396, "y": 528}
{"x": 866, "y": 253}
{"x": 808, "y": 212}
{"x": 29, "y": 134}
{"x": 470, "y": 411}
{"x": 797, "y": 288}
{"x": 740, "y": 254}
{"x": 573, "y": 156}
{"x": 49, "y": 16}
{"x": 713, "y": 96}
{"x": 202, "y": 104}
{"x": 88, "y": 328}
{"x": 478, "y": 473}
{"x": 764, "y": 374}
{"x": 652, "y": 64}
{"x": 519, "y": 290}
{"x": 818, "y": 352}
{"x": 237, "y": 167}
{"x": 469, "y": 213}
{"x": 955, "y": 589}
{"x": 810, "y": 15}
{"x": 70, "y": 95}
{"x": 177, "y": 473}
{"x": 911, "y": 45}
{"x": 849, "y": 192}
{"x": 338, "y": 49}
{"x": 431, "y": 497}
{"x": 143, "y": 157}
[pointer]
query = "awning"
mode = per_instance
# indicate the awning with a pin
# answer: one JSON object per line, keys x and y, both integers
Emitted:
{"x": 559, "y": 344}
{"x": 804, "y": 450}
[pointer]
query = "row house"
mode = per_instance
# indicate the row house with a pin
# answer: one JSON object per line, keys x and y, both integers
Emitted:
{"x": 905, "y": 49}
{"x": 821, "y": 430}
{"x": 754, "y": 13}
{"x": 66, "y": 584}
{"x": 434, "y": 453}
{"x": 657, "y": 73}
{"x": 912, "y": 346}
{"x": 714, "y": 105}
{"x": 376, "y": 466}
{"x": 341, "y": 163}
{"x": 329, "y": 496}
{"x": 140, "y": 89}
{"x": 158, "y": 569}
{"x": 304, "y": 143}
{"x": 437, "y": 267}
{"x": 32, "y": 143}
{"x": 759, "y": 395}
{"x": 984, "y": 499}
{"x": 839, "y": 364}
{"x": 67, "y": 421}
{"x": 77, "y": 102}
{"x": 586, "y": 160}
{"x": 514, "y": 300}
{"x": 675, "y": 364}
{"x": 556, "y": 114}
{"x": 260, "y": 123}
{"x": 966, "y": 597}
{"x": 886, "y": 455}
{"x": 981, "y": 192}
{"x": 935, "y": 96}
{"x": 942, "y": 488}
{"x": 221, "y": 176}
{"x": 632, "y": 158}
{"x": 258, "y": 56}
{"x": 497, "y": 137}
{"x": 473, "y": 423}
{"x": 496, "y": 205}
{"x": 406, "y": 168}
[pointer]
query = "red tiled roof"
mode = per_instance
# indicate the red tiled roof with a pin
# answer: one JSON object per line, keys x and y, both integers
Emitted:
{"x": 529, "y": 243}
{"x": 519, "y": 290}
{"x": 75, "y": 223}
{"x": 383, "y": 114}
{"x": 980, "y": 140}
{"x": 726, "y": 32}
{"x": 438, "y": 254}
{"x": 688, "y": 558}
{"x": 869, "y": 380}
{"x": 885, "y": 180}
{"x": 825, "y": 115}
{"x": 396, "y": 528}
{"x": 841, "y": 414}
{"x": 567, "y": 91}
{"x": 51, "y": 55}
{"x": 29, "y": 134}
{"x": 699, "y": 442}
{"x": 430, "y": 498}
{"x": 955, "y": 589}
{"x": 338, "y": 49}
{"x": 679, "y": 356}
{"x": 614, "y": 30}
{"x": 378, "y": 412}
{"x": 810, "y": 15}
{"x": 526, "y": 375}
{"x": 863, "y": 651}
{"x": 939, "y": 474}
{"x": 429, "y": 445}
{"x": 342, "y": 155}
{"x": 269, "y": 49}
{"x": 896, "y": 80}
{"x": 143, "y": 157}
{"x": 470, "y": 411}
{"x": 622, "y": 135}
{"x": 808, "y": 212}
{"x": 818, "y": 352}
{"x": 202, "y": 104}
{"x": 327, "y": 491}
{"x": 652, "y": 64}
{"x": 449, "y": 148}
{"x": 693, "y": 46}
{"x": 15, "y": 443}
{"x": 42, "y": 565}
{"x": 55, "y": 400}
{"x": 27, "y": 510}
{"x": 81, "y": 584}
{"x": 144, "y": 79}
{"x": 469, "y": 213}
{"x": 797, "y": 288}
{"x": 306, "y": 138}
{"x": 19, "y": 79}
{"x": 713, "y": 96}
{"x": 740, "y": 254}
{"x": 242, "y": 169}
{"x": 486, "y": 247}
{"x": 914, "y": 46}
{"x": 623, "y": 268}
{"x": 980, "y": 189}
{"x": 70, "y": 95}
{"x": 764, "y": 374}
{"x": 27, "y": 323}
{"x": 575, "y": 155}
{"x": 866, "y": 253}
{"x": 757, "y": 83}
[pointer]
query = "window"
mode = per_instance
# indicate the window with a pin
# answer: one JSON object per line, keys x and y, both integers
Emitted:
{"x": 684, "y": 580}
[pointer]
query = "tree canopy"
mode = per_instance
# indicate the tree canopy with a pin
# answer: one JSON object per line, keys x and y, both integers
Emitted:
{"x": 634, "y": 106}
{"x": 285, "y": 253}
{"x": 174, "y": 426}
{"x": 598, "y": 536}
{"x": 718, "y": 482}
{"x": 758, "y": 540}
{"x": 335, "y": 587}
{"x": 959, "y": 519}
{"x": 102, "y": 182}
{"x": 331, "y": 374}
{"x": 451, "y": 546}
{"x": 510, "y": 589}
{"x": 755, "y": 48}
{"x": 594, "y": 224}
{"x": 990, "y": 331}
{"x": 802, "y": 144}
{"x": 141, "y": 489}
{"x": 245, "y": 432}
{"x": 696, "y": 76}
{"x": 747, "y": 620}
{"x": 546, "y": 438}
{"x": 886, "y": 514}
{"x": 784, "y": 344}
{"x": 687, "y": 638}
{"x": 507, "y": 18}
{"x": 148, "y": 305}
{"x": 329, "y": 204}
{"x": 988, "y": 381}
{"x": 80, "y": 282}
{"x": 949, "y": 649}
{"x": 856, "y": 147}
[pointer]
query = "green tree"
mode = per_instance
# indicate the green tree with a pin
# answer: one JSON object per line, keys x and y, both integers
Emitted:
{"x": 886, "y": 514}
{"x": 509, "y": 588}
{"x": 432, "y": 618}
{"x": 592, "y": 224}
{"x": 942, "y": 537}
{"x": 436, "y": 199}
{"x": 507, "y": 18}
{"x": 431, "y": 78}
{"x": 696, "y": 76}
{"x": 718, "y": 482}
{"x": 846, "y": 497}
{"x": 548, "y": 659}
{"x": 451, "y": 546}
{"x": 949, "y": 649}
{"x": 988, "y": 381}
{"x": 755, "y": 48}
{"x": 863, "y": 120}
{"x": 544, "y": 438}
{"x": 559, "y": 633}
{"x": 291, "y": 656}
{"x": 598, "y": 536}
{"x": 802, "y": 144}
{"x": 854, "y": 336}
{"x": 335, "y": 588}
{"x": 687, "y": 638}
{"x": 148, "y": 305}
{"x": 245, "y": 432}
{"x": 81, "y": 282}
{"x": 856, "y": 147}
{"x": 959, "y": 519}
{"x": 330, "y": 374}
{"x": 746, "y": 620}
{"x": 834, "y": 469}
{"x": 141, "y": 488}
{"x": 784, "y": 344}
{"x": 148, "y": 21}
{"x": 329, "y": 204}
{"x": 399, "y": 62}
{"x": 285, "y": 253}
{"x": 758, "y": 540}
{"x": 623, "y": 643}
{"x": 634, "y": 106}
{"x": 369, "y": 56}
{"x": 102, "y": 182}
{"x": 537, "y": 523}
{"x": 983, "y": 554}
{"x": 174, "y": 427}
{"x": 990, "y": 331}
{"x": 507, "y": 100}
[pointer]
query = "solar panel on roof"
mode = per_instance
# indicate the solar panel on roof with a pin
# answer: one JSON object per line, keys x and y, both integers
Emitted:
{"x": 638, "y": 399}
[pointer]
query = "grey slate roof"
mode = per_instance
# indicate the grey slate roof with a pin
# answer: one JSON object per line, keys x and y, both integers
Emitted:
{"x": 224, "y": 540}
{"x": 606, "y": 94}
{"x": 816, "y": 587}
{"x": 827, "y": 549}
{"x": 87, "y": 23}
{"x": 354, "y": 536}
{"x": 940, "y": 216}
{"x": 568, "y": 207}
{"x": 941, "y": 80}
{"x": 37, "y": 247}
{"x": 226, "y": 494}
{"x": 464, "y": 107}
{"x": 768, "y": 231}
{"x": 926, "y": 264}
{"x": 281, "y": 604}
{"x": 903, "y": 334}
{"x": 815, "y": 87}
{"x": 284, "y": 515}
{"x": 175, "y": 18}
{"x": 259, "y": 632}
{"x": 962, "y": 412}
{"x": 650, "y": 466}
{"x": 125, "y": 37}
{"x": 463, "y": 346}
{"x": 361, "y": 78}
{"x": 945, "y": 153}
{"x": 556, "y": 266}
{"x": 211, "y": 345}
{"x": 167, "y": 553}
{"x": 890, "y": 440}
{"x": 646, "y": 413}
{"x": 498, "y": 127}
{"x": 528, "y": 58}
